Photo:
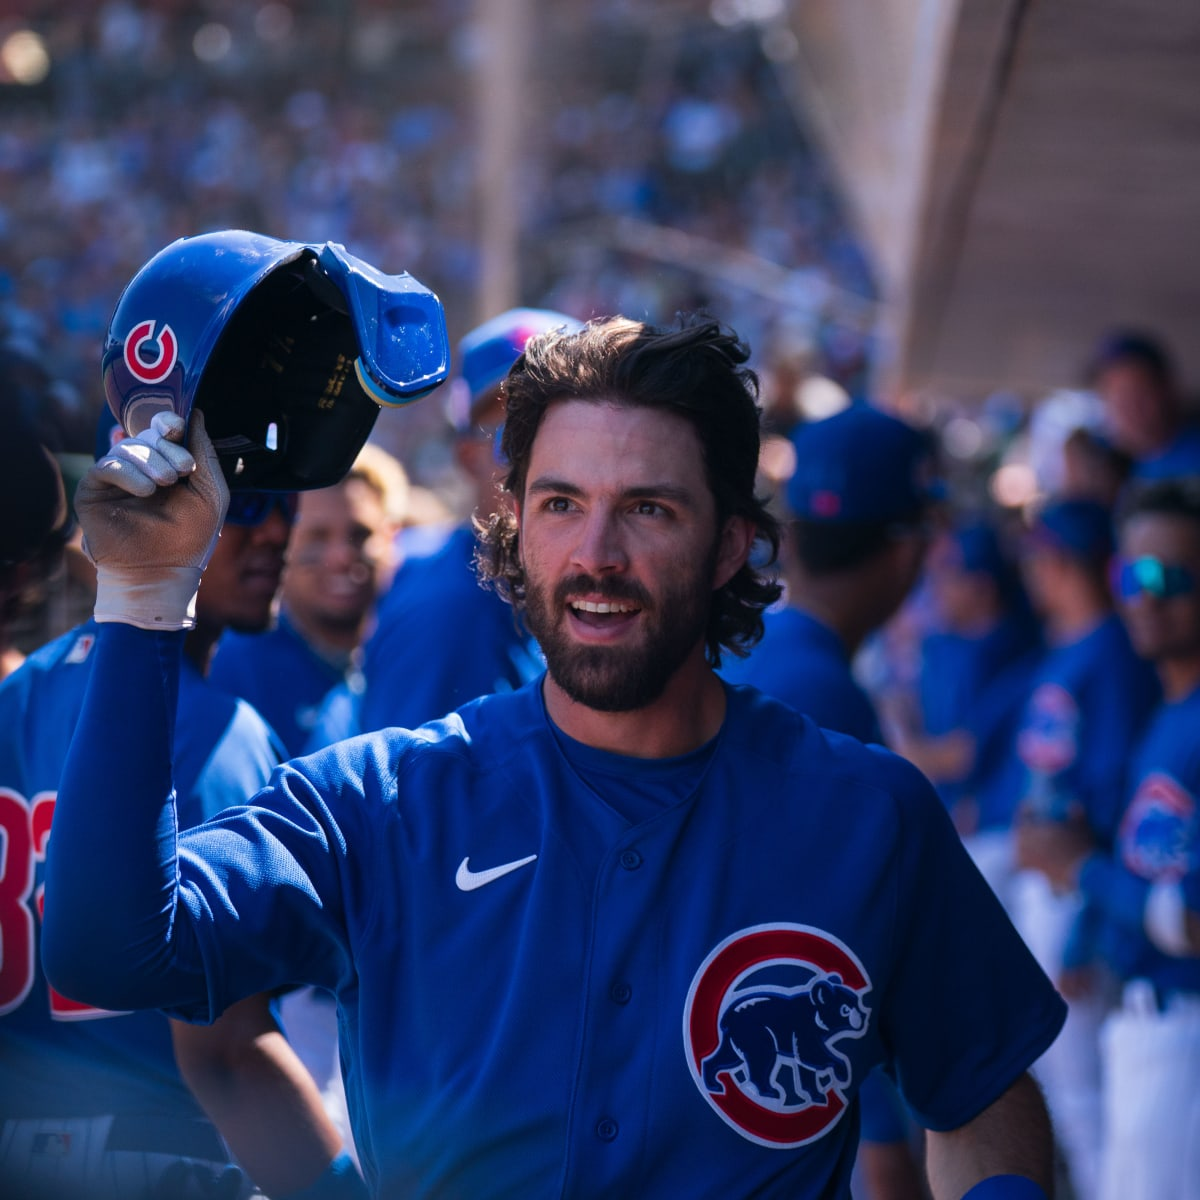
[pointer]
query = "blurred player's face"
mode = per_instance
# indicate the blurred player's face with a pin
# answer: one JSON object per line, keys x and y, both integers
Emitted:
{"x": 1163, "y": 628}
{"x": 340, "y": 546}
{"x": 476, "y": 453}
{"x": 963, "y": 598}
{"x": 1141, "y": 412}
{"x": 621, "y": 550}
{"x": 242, "y": 577}
{"x": 1042, "y": 571}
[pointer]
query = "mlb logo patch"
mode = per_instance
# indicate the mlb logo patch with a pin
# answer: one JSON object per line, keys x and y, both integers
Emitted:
{"x": 52, "y": 1145}
{"x": 81, "y": 647}
{"x": 766, "y": 1025}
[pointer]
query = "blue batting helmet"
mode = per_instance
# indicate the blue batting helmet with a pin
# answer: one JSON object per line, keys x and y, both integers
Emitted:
{"x": 486, "y": 353}
{"x": 288, "y": 349}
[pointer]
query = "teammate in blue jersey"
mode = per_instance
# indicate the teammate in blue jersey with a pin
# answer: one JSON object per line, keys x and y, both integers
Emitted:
{"x": 1147, "y": 882}
{"x": 624, "y": 931}
{"x": 975, "y": 663}
{"x": 1087, "y": 703}
{"x": 1135, "y": 378}
{"x": 92, "y": 1103}
{"x": 340, "y": 556}
{"x": 276, "y": 342}
{"x": 468, "y": 644}
{"x": 861, "y": 500}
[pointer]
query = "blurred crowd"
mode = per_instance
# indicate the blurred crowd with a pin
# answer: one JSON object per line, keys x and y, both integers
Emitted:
{"x": 1001, "y": 650}
{"x": 665, "y": 171}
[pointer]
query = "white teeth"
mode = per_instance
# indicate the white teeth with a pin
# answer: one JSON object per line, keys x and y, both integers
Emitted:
{"x": 603, "y": 607}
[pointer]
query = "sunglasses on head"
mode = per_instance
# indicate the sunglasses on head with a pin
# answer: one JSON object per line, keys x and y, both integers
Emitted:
{"x": 1162, "y": 580}
{"x": 253, "y": 508}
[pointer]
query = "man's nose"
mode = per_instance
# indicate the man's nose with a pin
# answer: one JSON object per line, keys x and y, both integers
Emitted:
{"x": 601, "y": 547}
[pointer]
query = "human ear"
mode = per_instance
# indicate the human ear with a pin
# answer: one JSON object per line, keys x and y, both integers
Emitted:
{"x": 737, "y": 538}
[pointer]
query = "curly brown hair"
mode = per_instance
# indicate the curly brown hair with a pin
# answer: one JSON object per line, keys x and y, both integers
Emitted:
{"x": 697, "y": 371}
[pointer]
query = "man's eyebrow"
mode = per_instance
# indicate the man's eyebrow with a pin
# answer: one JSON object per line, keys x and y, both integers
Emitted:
{"x": 661, "y": 491}
{"x": 560, "y": 487}
{"x": 646, "y": 491}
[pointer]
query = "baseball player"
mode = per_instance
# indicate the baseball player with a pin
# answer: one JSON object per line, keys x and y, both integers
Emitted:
{"x": 92, "y": 1103}
{"x": 340, "y": 556}
{"x": 278, "y": 341}
{"x": 1144, "y": 405}
{"x": 975, "y": 665}
{"x": 623, "y": 931}
{"x": 470, "y": 644}
{"x": 37, "y": 523}
{"x": 340, "y": 552}
{"x": 1147, "y": 884}
{"x": 1087, "y": 703}
{"x": 861, "y": 498}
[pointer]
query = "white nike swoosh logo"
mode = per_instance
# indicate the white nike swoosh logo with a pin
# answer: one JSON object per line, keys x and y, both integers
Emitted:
{"x": 469, "y": 880}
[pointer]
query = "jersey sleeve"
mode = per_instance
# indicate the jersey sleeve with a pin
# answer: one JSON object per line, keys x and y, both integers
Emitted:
{"x": 969, "y": 1009}
{"x": 248, "y": 902}
{"x": 114, "y": 834}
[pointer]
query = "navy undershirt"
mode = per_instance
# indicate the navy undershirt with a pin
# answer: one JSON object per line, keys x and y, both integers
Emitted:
{"x": 636, "y": 788}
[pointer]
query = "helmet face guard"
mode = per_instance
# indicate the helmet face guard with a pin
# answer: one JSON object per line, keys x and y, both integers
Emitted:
{"x": 288, "y": 349}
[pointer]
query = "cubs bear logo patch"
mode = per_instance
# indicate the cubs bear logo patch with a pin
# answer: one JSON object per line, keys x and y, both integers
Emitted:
{"x": 1158, "y": 830}
{"x": 763, "y": 1027}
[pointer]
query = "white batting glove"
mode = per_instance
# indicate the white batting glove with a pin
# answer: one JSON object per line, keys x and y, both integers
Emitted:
{"x": 151, "y": 511}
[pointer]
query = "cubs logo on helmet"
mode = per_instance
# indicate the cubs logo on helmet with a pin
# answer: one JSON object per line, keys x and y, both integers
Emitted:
{"x": 151, "y": 366}
{"x": 763, "y": 1027}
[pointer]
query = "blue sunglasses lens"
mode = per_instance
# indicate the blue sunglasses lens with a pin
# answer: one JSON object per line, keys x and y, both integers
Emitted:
{"x": 253, "y": 508}
{"x": 1160, "y": 579}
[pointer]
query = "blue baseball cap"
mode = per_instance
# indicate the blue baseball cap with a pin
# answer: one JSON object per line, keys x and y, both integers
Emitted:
{"x": 862, "y": 465}
{"x": 1082, "y": 529}
{"x": 488, "y": 351}
{"x": 979, "y": 550}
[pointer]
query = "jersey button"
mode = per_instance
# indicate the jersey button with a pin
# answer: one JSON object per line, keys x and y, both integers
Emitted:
{"x": 631, "y": 860}
{"x": 607, "y": 1129}
{"x": 621, "y": 993}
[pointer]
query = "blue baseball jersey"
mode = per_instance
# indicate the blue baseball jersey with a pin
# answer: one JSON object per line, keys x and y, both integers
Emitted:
{"x": 977, "y": 684}
{"x": 281, "y": 675}
{"x": 804, "y": 663}
{"x": 59, "y": 1058}
{"x": 441, "y": 640}
{"x": 1157, "y": 841}
{"x": 560, "y": 972}
{"x": 1181, "y": 456}
{"x": 1088, "y": 702}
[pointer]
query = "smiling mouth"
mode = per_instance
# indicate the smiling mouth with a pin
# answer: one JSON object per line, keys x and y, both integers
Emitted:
{"x": 604, "y": 607}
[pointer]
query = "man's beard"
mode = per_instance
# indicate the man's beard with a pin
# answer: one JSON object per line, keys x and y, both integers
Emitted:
{"x": 621, "y": 678}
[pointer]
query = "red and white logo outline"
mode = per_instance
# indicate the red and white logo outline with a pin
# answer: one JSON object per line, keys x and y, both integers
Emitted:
{"x": 715, "y": 987}
{"x": 164, "y": 361}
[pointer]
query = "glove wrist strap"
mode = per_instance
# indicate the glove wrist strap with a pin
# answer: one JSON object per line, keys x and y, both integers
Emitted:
{"x": 162, "y": 598}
